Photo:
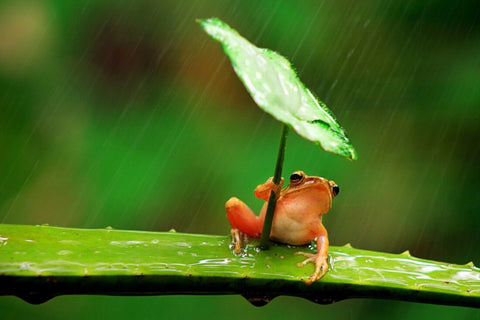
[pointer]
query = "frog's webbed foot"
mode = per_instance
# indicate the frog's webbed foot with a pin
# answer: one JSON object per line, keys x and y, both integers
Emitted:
{"x": 276, "y": 188}
{"x": 237, "y": 236}
{"x": 262, "y": 191}
{"x": 320, "y": 262}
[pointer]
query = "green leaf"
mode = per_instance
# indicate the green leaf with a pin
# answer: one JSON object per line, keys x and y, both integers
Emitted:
{"x": 38, "y": 263}
{"x": 275, "y": 87}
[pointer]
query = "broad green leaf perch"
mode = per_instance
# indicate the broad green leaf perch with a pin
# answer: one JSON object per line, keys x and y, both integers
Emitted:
{"x": 38, "y": 263}
{"x": 275, "y": 87}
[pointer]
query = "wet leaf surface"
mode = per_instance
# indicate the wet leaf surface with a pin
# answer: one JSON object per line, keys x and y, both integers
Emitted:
{"x": 41, "y": 262}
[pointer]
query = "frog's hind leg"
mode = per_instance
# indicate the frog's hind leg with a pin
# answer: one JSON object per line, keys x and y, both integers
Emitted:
{"x": 242, "y": 218}
{"x": 320, "y": 258}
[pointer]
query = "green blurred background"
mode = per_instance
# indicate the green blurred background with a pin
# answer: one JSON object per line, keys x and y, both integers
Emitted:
{"x": 125, "y": 114}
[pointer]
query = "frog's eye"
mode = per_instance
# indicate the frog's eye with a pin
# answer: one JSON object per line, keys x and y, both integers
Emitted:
{"x": 336, "y": 190}
{"x": 296, "y": 177}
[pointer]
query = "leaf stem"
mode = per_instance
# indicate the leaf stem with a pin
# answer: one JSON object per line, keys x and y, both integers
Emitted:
{"x": 272, "y": 202}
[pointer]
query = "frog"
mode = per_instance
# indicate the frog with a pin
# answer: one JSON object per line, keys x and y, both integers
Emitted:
{"x": 297, "y": 219}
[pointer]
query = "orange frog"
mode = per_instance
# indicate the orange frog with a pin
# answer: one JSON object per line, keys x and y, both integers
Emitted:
{"x": 297, "y": 219}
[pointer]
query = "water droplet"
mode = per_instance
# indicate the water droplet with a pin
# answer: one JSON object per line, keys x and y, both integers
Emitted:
{"x": 25, "y": 266}
{"x": 258, "y": 301}
{"x": 322, "y": 300}
{"x": 36, "y": 298}
{"x": 3, "y": 241}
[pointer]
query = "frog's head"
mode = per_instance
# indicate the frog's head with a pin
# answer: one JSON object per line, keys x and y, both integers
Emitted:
{"x": 300, "y": 181}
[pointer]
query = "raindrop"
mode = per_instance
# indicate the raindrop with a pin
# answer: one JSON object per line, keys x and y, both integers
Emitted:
{"x": 258, "y": 301}
{"x": 36, "y": 298}
{"x": 3, "y": 240}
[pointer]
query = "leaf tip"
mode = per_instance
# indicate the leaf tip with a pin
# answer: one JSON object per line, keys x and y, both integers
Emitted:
{"x": 406, "y": 253}
{"x": 353, "y": 155}
{"x": 205, "y": 21}
{"x": 210, "y": 25}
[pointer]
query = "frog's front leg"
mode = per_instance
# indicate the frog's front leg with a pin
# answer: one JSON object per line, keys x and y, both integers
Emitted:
{"x": 262, "y": 191}
{"x": 320, "y": 258}
{"x": 243, "y": 221}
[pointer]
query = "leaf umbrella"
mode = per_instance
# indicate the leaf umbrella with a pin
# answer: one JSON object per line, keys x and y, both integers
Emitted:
{"x": 274, "y": 85}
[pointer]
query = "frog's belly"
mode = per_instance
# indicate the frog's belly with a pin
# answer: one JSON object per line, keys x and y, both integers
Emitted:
{"x": 292, "y": 231}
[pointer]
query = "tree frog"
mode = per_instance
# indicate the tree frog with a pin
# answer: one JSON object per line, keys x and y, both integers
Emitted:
{"x": 297, "y": 219}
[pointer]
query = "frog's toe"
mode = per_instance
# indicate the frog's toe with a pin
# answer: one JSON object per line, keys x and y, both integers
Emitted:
{"x": 305, "y": 254}
{"x": 312, "y": 279}
{"x": 320, "y": 269}
{"x": 310, "y": 257}
{"x": 236, "y": 240}
{"x": 320, "y": 262}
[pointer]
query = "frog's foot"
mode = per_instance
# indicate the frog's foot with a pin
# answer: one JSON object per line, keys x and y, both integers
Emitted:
{"x": 237, "y": 236}
{"x": 320, "y": 262}
{"x": 276, "y": 188}
{"x": 263, "y": 191}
